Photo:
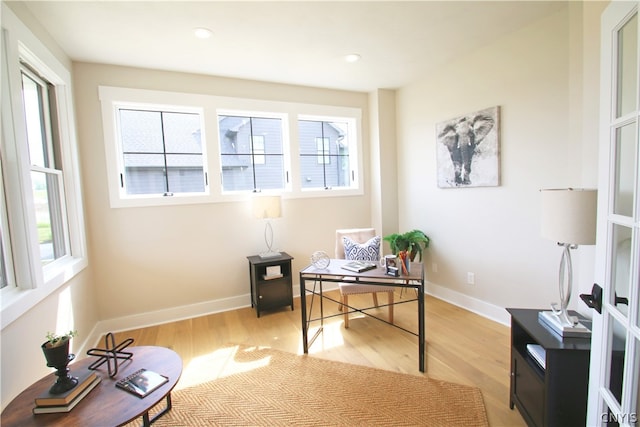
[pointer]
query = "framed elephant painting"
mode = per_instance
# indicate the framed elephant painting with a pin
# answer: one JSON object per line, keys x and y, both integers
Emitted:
{"x": 468, "y": 150}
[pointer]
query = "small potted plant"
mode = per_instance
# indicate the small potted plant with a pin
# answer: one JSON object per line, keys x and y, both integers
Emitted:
{"x": 407, "y": 245}
{"x": 56, "y": 352}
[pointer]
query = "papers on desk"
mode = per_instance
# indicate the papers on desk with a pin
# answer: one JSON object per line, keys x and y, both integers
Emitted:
{"x": 360, "y": 266}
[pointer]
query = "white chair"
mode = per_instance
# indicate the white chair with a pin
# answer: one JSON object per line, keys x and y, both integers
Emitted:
{"x": 359, "y": 235}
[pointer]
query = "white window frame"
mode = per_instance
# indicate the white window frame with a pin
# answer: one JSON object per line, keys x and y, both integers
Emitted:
{"x": 29, "y": 281}
{"x": 355, "y": 149}
{"x": 119, "y": 156}
{"x": 212, "y": 106}
{"x": 258, "y": 155}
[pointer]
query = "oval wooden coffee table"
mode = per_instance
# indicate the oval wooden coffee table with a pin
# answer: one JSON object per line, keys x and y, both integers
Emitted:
{"x": 105, "y": 405}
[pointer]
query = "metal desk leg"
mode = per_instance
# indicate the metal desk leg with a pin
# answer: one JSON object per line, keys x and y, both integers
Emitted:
{"x": 303, "y": 309}
{"x": 421, "y": 338}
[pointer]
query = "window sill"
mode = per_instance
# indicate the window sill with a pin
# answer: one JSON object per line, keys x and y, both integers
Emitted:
{"x": 16, "y": 302}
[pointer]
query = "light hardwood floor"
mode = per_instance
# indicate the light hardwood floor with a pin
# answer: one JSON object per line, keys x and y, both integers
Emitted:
{"x": 461, "y": 347}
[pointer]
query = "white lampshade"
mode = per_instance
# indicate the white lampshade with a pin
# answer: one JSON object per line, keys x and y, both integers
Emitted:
{"x": 569, "y": 215}
{"x": 267, "y": 207}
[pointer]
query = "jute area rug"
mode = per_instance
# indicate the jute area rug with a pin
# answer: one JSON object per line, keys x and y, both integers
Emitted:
{"x": 265, "y": 387}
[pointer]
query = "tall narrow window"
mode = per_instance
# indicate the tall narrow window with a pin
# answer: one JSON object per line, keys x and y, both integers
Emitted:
{"x": 162, "y": 152}
{"x": 324, "y": 153}
{"x": 251, "y": 151}
{"x": 46, "y": 175}
{"x": 42, "y": 241}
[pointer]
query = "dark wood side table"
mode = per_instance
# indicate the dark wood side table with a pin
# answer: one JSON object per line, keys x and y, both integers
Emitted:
{"x": 557, "y": 394}
{"x": 268, "y": 294}
{"x": 105, "y": 405}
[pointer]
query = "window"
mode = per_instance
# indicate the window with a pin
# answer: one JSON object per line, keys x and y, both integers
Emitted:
{"x": 161, "y": 152}
{"x": 42, "y": 242}
{"x": 161, "y": 147}
{"x": 325, "y": 156}
{"x": 46, "y": 178}
{"x": 251, "y": 152}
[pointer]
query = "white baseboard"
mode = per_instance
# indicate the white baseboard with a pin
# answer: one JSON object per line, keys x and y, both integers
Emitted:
{"x": 479, "y": 307}
{"x": 173, "y": 314}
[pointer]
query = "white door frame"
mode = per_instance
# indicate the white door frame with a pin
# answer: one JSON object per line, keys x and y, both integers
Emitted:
{"x": 600, "y": 398}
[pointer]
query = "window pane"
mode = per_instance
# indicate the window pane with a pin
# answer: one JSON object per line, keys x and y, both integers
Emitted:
{"x": 162, "y": 152}
{"x": 621, "y": 267}
{"x": 3, "y": 269}
{"x": 331, "y": 169}
{"x": 34, "y": 119}
{"x": 141, "y": 131}
{"x": 185, "y": 173}
{"x": 251, "y": 153}
{"x": 625, "y": 172}
{"x": 322, "y": 145}
{"x": 627, "y": 67}
{"x": 182, "y": 133}
{"x": 49, "y": 216}
{"x": 617, "y": 355}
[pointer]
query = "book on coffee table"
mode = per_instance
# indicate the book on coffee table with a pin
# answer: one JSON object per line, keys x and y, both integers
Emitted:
{"x": 142, "y": 382}
{"x": 85, "y": 378}
{"x": 52, "y": 409}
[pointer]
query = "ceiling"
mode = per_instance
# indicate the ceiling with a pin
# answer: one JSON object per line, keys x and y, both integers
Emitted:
{"x": 295, "y": 42}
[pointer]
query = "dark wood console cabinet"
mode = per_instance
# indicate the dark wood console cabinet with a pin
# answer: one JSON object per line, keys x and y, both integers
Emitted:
{"x": 556, "y": 395}
{"x": 271, "y": 293}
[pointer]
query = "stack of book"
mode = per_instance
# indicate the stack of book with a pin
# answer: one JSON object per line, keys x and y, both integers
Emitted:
{"x": 48, "y": 403}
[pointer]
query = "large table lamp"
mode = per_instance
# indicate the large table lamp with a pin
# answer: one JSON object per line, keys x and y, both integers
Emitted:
{"x": 568, "y": 218}
{"x": 267, "y": 207}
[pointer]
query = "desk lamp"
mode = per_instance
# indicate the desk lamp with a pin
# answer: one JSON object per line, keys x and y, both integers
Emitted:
{"x": 267, "y": 207}
{"x": 569, "y": 218}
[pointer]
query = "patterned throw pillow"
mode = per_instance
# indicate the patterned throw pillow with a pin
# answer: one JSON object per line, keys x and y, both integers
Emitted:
{"x": 369, "y": 251}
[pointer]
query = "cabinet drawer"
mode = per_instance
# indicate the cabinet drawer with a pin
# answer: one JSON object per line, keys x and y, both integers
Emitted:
{"x": 528, "y": 389}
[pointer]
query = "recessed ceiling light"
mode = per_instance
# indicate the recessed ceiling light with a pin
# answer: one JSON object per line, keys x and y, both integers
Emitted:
{"x": 202, "y": 33}
{"x": 352, "y": 57}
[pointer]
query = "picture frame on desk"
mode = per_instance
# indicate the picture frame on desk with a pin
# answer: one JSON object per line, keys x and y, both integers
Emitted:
{"x": 392, "y": 271}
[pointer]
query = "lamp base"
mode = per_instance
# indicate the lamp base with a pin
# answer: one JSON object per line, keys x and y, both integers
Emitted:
{"x": 269, "y": 254}
{"x": 552, "y": 321}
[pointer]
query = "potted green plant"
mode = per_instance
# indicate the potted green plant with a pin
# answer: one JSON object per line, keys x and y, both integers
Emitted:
{"x": 56, "y": 352}
{"x": 56, "y": 340}
{"x": 412, "y": 243}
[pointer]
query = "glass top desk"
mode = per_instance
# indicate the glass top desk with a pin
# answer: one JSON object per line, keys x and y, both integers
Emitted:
{"x": 334, "y": 273}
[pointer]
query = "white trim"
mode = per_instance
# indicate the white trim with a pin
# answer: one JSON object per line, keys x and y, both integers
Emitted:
{"x": 172, "y": 314}
{"x": 482, "y": 308}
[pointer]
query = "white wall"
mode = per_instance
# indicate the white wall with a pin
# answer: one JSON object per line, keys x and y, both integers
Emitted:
{"x": 536, "y": 77}
{"x": 178, "y": 261}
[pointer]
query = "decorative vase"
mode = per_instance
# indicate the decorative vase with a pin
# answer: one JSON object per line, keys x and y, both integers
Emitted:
{"x": 58, "y": 357}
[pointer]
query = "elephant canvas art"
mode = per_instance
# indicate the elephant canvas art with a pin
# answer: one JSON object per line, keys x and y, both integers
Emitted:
{"x": 468, "y": 150}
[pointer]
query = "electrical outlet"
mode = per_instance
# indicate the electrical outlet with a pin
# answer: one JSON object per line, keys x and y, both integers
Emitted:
{"x": 471, "y": 279}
